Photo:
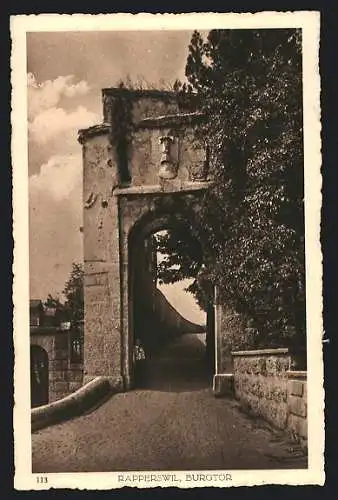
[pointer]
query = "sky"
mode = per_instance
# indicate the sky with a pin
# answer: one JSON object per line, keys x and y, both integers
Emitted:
{"x": 65, "y": 74}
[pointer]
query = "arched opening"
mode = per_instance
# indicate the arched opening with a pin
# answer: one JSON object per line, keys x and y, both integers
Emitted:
{"x": 39, "y": 376}
{"x": 171, "y": 335}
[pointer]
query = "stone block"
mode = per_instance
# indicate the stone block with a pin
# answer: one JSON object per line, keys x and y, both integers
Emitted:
{"x": 271, "y": 365}
{"x": 296, "y": 387}
{"x": 282, "y": 364}
{"x": 59, "y": 387}
{"x": 99, "y": 279}
{"x": 303, "y": 428}
{"x": 59, "y": 364}
{"x": 96, "y": 294}
{"x": 61, "y": 375}
{"x": 75, "y": 375}
{"x": 297, "y": 406}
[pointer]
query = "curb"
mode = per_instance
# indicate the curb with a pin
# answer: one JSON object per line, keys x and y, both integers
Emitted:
{"x": 80, "y": 401}
{"x": 223, "y": 385}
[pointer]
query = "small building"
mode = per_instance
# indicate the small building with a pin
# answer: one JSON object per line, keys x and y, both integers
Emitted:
{"x": 56, "y": 348}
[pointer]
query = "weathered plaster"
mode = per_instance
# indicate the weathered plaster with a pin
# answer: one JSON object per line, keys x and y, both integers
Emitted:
{"x": 114, "y": 213}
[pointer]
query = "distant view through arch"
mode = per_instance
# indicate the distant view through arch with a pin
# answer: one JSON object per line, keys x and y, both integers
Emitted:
{"x": 168, "y": 348}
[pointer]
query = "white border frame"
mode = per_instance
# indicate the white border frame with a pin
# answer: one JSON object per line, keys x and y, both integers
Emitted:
{"x": 310, "y": 24}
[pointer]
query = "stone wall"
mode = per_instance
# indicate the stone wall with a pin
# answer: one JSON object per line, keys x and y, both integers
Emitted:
{"x": 297, "y": 405}
{"x": 102, "y": 350}
{"x": 260, "y": 382}
{"x": 265, "y": 385}
{"x": 64, "y": 377}
{"x": 107, "y": 221}
{"x": 167, "y": 171}
{"x": 146, "y": 151}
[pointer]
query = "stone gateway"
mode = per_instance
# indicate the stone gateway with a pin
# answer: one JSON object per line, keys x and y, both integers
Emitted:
{"x": 143, "y": 170}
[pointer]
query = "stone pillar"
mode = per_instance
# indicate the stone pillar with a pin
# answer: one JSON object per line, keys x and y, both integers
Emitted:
{"x": 102, "y": 329}
{"x": 223, "y": 377}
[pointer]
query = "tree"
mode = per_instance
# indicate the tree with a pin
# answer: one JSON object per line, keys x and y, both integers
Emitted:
{"x": 53, "y": 302}
{"x": 74, "y": 293}
{"x": 182, "y": 258}
{"x": 248, "y": 83}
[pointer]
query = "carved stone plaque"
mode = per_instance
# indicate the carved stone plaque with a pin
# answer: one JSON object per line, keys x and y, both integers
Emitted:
{"x": 168, "y": 164}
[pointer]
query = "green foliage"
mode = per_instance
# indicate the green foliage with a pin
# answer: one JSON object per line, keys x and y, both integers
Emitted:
{"x": 248, "y": 83}
{"x": 182, "y": 258}
{"x": 182, "y": 254}
{"x": 74, "y": 293}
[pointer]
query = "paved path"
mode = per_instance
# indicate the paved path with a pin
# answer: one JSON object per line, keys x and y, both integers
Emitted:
{"x": 172, "y": 423}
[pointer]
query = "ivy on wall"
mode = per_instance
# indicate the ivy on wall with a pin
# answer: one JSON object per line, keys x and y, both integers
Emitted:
{"x": 121, "y": 128}
{"x": 248, "y": 85}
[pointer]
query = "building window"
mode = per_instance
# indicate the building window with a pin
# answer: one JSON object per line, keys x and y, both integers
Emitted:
{"x": 76, "y": 346}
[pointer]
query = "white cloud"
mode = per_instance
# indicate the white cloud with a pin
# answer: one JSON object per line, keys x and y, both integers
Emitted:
{"x": 55, "y": 217}
{"x": 58, "y": 179}
{"x": 55, "y": 191}
{"x": 54, "y": 121}
{"x": 45, "y": 95}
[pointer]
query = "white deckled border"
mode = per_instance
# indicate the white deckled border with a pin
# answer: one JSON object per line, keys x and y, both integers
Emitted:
{"x": 309, "y": 22}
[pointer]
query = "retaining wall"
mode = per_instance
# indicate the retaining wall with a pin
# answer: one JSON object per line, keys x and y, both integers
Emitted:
{"x": 266, "y": 387}
{"x": 297, "y": 405}
{"x": 260, "y": 381}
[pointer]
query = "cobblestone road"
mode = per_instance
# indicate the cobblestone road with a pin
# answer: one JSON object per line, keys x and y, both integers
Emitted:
{"x": 173, "y": 423}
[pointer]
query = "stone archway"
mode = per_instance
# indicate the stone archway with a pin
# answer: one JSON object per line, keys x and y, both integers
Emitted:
{"x": 167, "y": 175}
{"x": 39, "y": 376}
{"x": 145, "y": 302}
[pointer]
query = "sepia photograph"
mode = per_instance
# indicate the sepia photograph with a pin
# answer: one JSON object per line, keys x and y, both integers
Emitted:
{"x": 171, "y": 302}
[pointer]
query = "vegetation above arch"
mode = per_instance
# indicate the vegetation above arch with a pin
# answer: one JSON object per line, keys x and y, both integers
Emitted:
{"x": 248, "y": 83}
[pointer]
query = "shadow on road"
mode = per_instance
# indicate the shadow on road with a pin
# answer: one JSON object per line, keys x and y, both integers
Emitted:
{"x": 173, "y": 423}
{"x": 180, "y": 366}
